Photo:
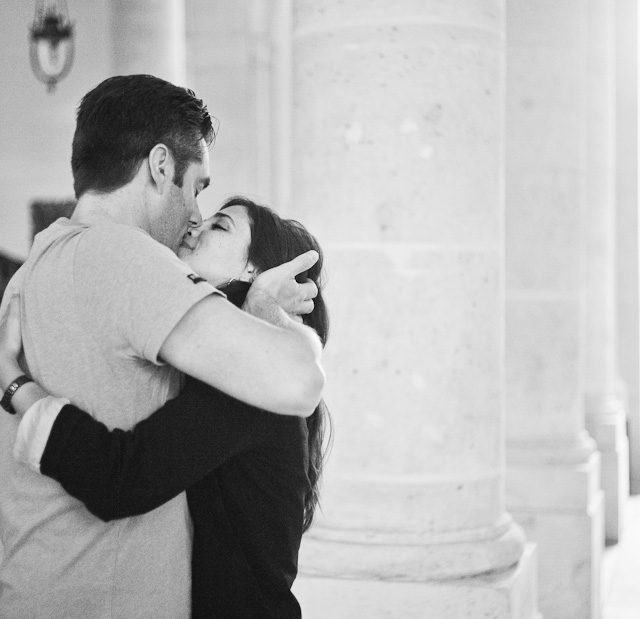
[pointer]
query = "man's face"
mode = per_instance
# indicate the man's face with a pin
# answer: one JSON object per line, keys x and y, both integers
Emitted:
{"x": 180, "y": 204}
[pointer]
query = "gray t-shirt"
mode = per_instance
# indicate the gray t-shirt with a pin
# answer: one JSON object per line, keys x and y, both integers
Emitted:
{"x": 97, "y": 304}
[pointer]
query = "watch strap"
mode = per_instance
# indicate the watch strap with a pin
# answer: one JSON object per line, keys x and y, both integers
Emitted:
{"x": 9, "y": 393}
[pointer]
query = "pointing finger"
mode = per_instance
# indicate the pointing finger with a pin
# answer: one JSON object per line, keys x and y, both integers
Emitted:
{"x": 301, "y": 263}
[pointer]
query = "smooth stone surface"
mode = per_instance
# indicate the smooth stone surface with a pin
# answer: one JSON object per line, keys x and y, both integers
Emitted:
{"x": 610, "y": 433}
{"x": 561, "y": 508}
{"x": 148, "y": 36}
{"x": 401, "y": 557}
{"x": 510, "y": 594}
{"x": 544, "y": 383}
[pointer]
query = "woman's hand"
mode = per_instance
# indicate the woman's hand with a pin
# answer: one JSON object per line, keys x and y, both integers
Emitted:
{"x": 280, "y": 286}
{"x": 10, "y": 343}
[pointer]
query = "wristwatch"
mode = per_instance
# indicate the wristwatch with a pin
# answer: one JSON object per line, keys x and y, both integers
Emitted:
{"x": 11, "y": 389}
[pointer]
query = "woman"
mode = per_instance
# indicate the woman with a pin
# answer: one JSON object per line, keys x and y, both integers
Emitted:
{"x": 251, "y": 476}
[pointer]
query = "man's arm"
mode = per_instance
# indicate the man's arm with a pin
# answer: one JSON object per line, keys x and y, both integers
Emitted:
{"x": 273, "y": 365}
{"x": 159, "y": 309}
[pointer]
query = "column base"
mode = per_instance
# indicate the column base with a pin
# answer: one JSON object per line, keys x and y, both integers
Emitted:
{"x": 609, "y": 431}
{"x": 560, "y": 506}
{"x": 633, "y": 434}
{"x": 509, "y": 594}
{"x": 410, "y": 556}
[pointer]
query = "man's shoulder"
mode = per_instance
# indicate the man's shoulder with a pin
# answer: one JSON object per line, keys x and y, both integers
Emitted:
{"x": 13, "y": 287}
{"x": 102, "y": 245}
{"x": 119, "y": 242}
{"x": 112, "y": 231}
{"x": 59, "y": 230}
{"x": 117, "y": 233}
{"x": 64, "y": 231}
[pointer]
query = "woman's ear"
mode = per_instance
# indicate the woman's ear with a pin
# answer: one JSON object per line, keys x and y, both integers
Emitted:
{"x": 161, "y": 167}
{"x": 249, "y": 273}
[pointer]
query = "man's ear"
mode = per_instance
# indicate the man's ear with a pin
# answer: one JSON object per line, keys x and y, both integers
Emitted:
{"x": 161, "y": 167}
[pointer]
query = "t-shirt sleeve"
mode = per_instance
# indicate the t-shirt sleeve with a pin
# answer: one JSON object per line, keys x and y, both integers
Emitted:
{"x": 132, "y": 290}
{"x": 12, "y": 288}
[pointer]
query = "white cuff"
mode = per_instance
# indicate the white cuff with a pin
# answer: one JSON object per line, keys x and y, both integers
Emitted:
{"x": 34, "y": 430}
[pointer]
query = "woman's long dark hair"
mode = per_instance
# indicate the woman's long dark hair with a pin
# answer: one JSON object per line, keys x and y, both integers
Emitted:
{"x": 275, "y": 240}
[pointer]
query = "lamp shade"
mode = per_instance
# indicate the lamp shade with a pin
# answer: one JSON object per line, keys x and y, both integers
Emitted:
{"x": 51, "y": 44}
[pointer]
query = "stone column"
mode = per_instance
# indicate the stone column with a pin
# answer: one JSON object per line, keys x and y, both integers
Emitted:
{"x": 606, "y": 418}
{"x": 553, "y": 467}
{"x": 627, "y": 275}
{"x": 239, "y": 54}
{"x": 148, "y": 36}
{"x": 398, "y": 169}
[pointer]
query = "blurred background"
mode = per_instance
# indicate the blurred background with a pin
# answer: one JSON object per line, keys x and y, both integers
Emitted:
{"x": 470, "y": 168}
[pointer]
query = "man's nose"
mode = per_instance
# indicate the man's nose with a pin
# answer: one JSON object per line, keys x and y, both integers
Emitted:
{"x": 194, "y": 230}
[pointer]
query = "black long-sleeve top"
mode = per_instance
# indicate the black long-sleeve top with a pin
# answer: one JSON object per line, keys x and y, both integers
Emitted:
{"x": 245, "y": 471}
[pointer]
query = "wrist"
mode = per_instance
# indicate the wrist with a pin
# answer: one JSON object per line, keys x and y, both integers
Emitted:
{"x": 9, "y": 371}
{"x": 26, "y": 396}
{"x": 261, "y": 304}
{"x": 14, "y": 387}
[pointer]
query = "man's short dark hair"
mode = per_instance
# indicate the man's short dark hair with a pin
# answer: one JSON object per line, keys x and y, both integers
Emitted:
{"x": 123, "y": 118}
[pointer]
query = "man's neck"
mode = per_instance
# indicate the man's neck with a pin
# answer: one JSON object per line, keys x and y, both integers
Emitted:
{"x": 120, "y": 206}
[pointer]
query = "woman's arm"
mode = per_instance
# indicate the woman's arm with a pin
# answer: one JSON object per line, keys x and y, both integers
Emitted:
{"x": 118, "y": 473}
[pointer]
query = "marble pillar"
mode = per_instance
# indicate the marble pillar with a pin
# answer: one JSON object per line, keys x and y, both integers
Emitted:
{"x": 605, "y": 413}
{"x": 627, "y": 254}
{"x": 553, "y": 466}
{"x": 148, "y": 36}
{"x": 398, "y": 169}
{"x": 239, "y": 63}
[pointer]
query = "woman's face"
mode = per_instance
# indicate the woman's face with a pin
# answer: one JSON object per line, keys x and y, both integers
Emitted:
{"x": 217, "y": 250}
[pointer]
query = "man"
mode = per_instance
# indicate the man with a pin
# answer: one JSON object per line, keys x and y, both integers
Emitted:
{"x": 109, "y": 317}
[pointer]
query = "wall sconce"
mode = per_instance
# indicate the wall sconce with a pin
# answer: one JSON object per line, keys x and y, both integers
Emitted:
{"x": 51, "y": 43}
